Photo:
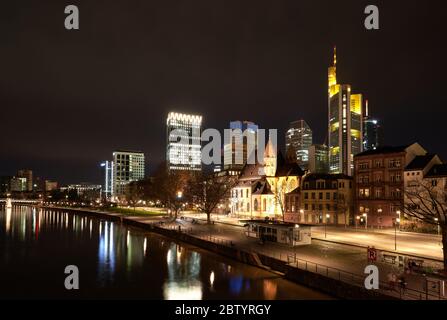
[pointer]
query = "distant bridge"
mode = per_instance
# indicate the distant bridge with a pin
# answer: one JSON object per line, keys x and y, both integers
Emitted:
{"x": 20, "y": 201}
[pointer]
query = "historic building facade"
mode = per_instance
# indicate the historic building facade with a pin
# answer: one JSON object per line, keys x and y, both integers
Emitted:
{"x": 379, "y": 183}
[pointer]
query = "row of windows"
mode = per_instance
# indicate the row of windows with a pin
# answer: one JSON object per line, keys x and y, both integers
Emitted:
{"x": 394, "y": 177}
{"x": 320, "y": 195}
{"x": 320, "y": 207}
{"x": 378, "y": 193}
{"x": 323, "y": 184}
{"x": 392, "y": 163}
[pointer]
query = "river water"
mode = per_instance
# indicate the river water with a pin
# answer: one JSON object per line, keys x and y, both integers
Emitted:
{"x": 117, "y": 261}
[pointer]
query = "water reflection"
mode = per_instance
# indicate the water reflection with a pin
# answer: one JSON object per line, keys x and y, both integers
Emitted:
{"x": 112, "y": 257}
{"x": 270, "y": 289}
{"x": 106, "y": 253}
{"x": 183, "y": 281}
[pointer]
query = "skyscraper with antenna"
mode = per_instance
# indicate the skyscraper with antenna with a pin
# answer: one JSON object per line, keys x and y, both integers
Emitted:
{"x": 345, "y": 123}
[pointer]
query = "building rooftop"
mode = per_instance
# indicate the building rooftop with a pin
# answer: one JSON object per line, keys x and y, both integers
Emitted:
{"x": 285, "y": 169}
{"x": 261, "y": 187}
{"x": 438, "y": 170}
{"x": 384, "y": 149}
{"x": 127, "y": 151}
{"x": 420, "y": 162}
{"x": 326, "y": 176}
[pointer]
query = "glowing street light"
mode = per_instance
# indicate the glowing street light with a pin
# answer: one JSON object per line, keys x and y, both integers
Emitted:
{"x": 325, "y": 225}
{"x": 179, "y": 194}
{"x": 365, "y": 215}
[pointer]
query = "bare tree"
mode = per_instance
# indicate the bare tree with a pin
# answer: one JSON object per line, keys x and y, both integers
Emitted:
{"x": 425, "y": 201}
{"x": 342, "y": 206}
{"x": 207, "y": 191}
{"x": 169, "y": 187}
{"x": 280, "y": 197}
{"x": 133, "y": 193}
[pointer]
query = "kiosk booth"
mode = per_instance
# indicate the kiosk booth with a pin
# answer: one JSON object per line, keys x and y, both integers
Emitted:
{"x": 286, "y": 233}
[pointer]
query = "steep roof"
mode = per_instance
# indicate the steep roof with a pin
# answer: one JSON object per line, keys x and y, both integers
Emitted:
{"x": 285, "y": 169}
{"x": 420, "y": 162}
{"x": 261, "y": 187}
{"x": 252, "y": 172}
{"x": 384, "y": 149}
{"x": 438, "y": 170}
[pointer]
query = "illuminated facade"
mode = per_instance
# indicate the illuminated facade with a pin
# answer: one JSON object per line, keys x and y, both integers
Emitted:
{"x": 379, "y": 182}
{"x": 127, "y": 166}
{"x": 345, "y": 125}
{"x": 183, "y": 142}
{"x": 28, "y": 175}
{"x": 237, "y": 151}
{"x": 298, "y": 142}
{"x": 107, "y": 167}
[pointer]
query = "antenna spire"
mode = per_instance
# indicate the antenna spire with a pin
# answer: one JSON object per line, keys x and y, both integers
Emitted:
{"x": 335, "y": 56}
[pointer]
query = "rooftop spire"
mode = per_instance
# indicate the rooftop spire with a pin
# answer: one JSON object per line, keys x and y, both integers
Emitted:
{"x": 335, "y": 56}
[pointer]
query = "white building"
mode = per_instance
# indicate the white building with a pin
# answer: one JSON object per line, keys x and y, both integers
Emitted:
{"x": 183, "y": 142}
{"x": 127, "y": 166}
{"x": 107, "y": 167}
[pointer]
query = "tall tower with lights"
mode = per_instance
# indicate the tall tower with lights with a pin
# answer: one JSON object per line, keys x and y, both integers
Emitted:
{"x": 183, "y": 146}
{"x": 345, "y": 123}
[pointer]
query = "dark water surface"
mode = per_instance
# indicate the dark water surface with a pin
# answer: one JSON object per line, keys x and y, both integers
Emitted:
{"x": 117, "y": 261}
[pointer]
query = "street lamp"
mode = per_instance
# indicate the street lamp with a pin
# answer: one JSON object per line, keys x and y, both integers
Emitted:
{"x": 398, "y": 213}
{"x": 439, "y": 227}
{"x": 325, "y": 225}
{"x": 395, "y": 233}
{"x": 179, "y": 194}
{"x": 358, "y": 221}
{"x": 366, "y": 220}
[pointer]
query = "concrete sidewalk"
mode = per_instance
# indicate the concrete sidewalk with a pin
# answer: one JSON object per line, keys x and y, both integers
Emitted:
{"x": 337, "y": 256}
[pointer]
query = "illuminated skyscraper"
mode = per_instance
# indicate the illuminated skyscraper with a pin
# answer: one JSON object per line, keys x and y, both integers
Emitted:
{"x": 298, "y": 142}
{"x": 237, "y": 152}
{"x": 372, "y": 131}
{"x": 107, "y": 166}
{"x": 183, "y": 142}
{"x": 344, "y": 125}
{"x": 128, "y": 166}
{"x": 28, "y": 175}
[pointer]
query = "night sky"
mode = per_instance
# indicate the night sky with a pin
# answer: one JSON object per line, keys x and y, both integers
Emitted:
{"x": 69, "y": 98}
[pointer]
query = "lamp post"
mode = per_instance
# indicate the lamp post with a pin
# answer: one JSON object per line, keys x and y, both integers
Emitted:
{"x": 395, "y": 233}
{"x": 357, "y": 221}
{"x": 398, "y": 213}
{"x": 325, "y": 225}
{"x": 439, "y": 229}
{"x": 365, "y": 215}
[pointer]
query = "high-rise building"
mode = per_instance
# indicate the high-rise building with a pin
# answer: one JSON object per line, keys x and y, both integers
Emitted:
{"x": 298, "y": 142}
{"x": 28, "y": 175}
{"x": 183, "y": 142}
{"x": 18, "y": 184}
{"x": 107, "y": 167}
{"x": 127, "y": 166}
{"x": 372, "y": 131}
{"x": 318, "y": 158}
{"x": 344, "y": 125}
{"x": 243, "y": 143}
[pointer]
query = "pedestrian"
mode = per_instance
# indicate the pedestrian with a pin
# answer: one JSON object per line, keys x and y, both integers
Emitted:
{"x": 390, "y": 281}
{"x": 402, "y": 283}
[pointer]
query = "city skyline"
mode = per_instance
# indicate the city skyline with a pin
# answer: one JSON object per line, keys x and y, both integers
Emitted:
{"x": 291, "y": 80}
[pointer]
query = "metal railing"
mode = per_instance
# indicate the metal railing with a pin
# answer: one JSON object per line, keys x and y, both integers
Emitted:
{"x": 394, "y": 290}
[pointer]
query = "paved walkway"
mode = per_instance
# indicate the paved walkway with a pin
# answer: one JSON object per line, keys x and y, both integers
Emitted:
{"x": 317, "y": 256}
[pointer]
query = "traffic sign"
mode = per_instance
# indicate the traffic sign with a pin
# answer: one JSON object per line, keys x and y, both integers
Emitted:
{"x": 372, "y": 254}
